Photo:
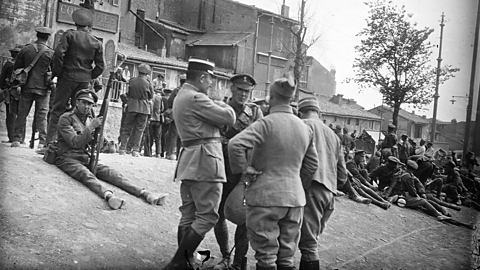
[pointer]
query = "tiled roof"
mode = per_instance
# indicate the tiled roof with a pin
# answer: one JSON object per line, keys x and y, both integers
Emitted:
{"x": 148, "y": 57}
{"x": 217, "y": 38}
{"x": 172, "y": 28}
{"x": 329, "y": 108}
{"x": 402, "y": 113}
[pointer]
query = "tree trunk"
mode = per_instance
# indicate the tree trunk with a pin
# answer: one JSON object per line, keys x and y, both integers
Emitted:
{"x": 396, "y": 110}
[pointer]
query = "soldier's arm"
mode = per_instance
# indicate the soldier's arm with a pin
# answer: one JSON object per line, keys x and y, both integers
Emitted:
{"x": 310, "y": 162}
{"x": 99, "y": 63}
{"x": 3, "y": 76}
{"x": 243, "y": 141}
{"x": 59, "y": 53}
{"x": 212, "y": 113}
{"x": 68, "y": 133}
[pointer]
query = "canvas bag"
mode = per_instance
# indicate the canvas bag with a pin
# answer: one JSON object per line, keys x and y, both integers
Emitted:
{"x": 20, "y": 75}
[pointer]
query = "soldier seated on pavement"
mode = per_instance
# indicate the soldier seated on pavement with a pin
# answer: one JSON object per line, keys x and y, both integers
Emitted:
{"x": 74, "y": 134}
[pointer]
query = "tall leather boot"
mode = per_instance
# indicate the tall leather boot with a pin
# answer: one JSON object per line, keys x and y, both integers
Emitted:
{"x": 313, "y": 265}
{"x": 221, "y": 234}
{"x": 188, "y": 245}
{"x": 241, "y": 246}
{"x": 181, "y": 233}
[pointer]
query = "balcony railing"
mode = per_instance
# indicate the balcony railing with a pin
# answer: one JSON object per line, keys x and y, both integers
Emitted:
{"x": 118, "y": 88}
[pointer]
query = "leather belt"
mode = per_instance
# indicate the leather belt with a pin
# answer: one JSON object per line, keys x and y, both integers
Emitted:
{"x": 201, "y": 141}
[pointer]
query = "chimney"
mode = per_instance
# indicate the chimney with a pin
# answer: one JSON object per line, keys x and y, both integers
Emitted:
{"x": 285, "y": 10}
{"x": 424, "y": 116}
{"x": 413, "y": 112}
{"x": 337, "y": 99}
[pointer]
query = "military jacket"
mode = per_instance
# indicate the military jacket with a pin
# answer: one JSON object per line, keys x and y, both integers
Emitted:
{"x": 140, "y": 92}
{"x": 197, "y": 117}
{"x": 75, "y": 55}
{"x": 73, "y": 134}
{"x": 38, "y": 78}
{"x": 245, "y": 117}
{"x": 331, "y": 172}
{"x": 283, "y": 150}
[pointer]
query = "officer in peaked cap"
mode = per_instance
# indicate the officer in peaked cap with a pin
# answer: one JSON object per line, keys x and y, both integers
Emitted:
{"x": 246, "y": 113}
{"x": 44, "y": 30}
{"x": 87, "y": 95}
{"x": 78, "y": 59}
{"x": 201, "y": 64}
{"x": 282, "y": 198}
{"x": 83, "y": 17}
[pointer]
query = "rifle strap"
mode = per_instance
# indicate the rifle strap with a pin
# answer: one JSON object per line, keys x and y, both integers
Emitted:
{"x": 27, "y": 69}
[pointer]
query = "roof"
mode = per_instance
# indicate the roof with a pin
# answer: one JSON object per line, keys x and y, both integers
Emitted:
{"x": 329, "y": 108}
{"x": 171, "y": 28}
{"x": 185, "y": 28}
{"x": 416, "y": 119}
{"x": 438, "y": 122}
{"x": 148, "y": 57}
{"x": 218, "y": 38}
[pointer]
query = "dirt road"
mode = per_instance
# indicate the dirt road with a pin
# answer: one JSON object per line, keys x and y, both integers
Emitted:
{"x": 50, "y": 221}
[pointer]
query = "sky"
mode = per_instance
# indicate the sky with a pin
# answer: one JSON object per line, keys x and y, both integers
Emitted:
{"x": 337, "y": 22}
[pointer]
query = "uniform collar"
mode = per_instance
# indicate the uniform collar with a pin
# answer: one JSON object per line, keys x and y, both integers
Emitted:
{"x": 313, "y": 116}
{"x": 281, "y": 109}
{"x": 191, "y": 86}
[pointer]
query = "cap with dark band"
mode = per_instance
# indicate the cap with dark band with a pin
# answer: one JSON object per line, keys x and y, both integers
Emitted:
{"x": 87, "y": 95}
{"x": 201, "y": 64}
{"x": 44, "y": 30}
{"x": 82, "y": 17}
{"x": 243, "y": 81}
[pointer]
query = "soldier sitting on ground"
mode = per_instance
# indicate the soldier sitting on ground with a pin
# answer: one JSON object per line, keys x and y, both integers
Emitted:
{"x": 74, "y": 134}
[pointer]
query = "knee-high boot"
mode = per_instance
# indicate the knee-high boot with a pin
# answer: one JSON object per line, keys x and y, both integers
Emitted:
{"x": 221, "y": 234}
{"x": 183, "y": 257}
{"x": 241, "y": 245}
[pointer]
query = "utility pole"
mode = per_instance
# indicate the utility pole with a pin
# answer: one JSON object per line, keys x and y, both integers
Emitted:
{"x": 466, "y": 139}
{"x": 437, "y": 82}
{"x": 267, "y": 84}
{"x": 299, "y": 55}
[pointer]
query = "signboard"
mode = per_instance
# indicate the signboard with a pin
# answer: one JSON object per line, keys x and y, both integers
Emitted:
{"x": 103, "y": 21}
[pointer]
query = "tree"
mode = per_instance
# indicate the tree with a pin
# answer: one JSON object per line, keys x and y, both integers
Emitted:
{"x": 394, "y": 56}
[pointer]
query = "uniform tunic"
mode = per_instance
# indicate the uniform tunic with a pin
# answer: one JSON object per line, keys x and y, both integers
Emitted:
{"x": 73, "y": 138}
{"x": 200, "y": 166}
{"x": 77, "y": 59}
{"x": 35, "y": 89}
{"x": 319, "y": 194}
{"x": 283, "y": 150}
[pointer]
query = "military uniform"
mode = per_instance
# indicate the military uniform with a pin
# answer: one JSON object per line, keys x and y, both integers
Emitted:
{"x": 156, "y": 120}
{"x": 138, "y": 110}
{"x": 36, "y": 88}
{"x": 171, "y": 140}
{"x": 73, "y": 63}
{"x": 275, "y": 198}
{"x": 320, "y": 192}
{"x": 389, "y": 145}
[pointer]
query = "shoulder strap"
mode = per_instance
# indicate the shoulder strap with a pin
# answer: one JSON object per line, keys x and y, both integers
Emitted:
{"x": 35, "y": 59}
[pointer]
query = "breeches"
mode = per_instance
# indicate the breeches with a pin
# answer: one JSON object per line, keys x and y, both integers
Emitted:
{"x": 317, "y": 211}
{"x": 274, "y": 233}
{"x": 40, "y": 118}
{"x": 133, "y": 130}
{"x": 200, "y": 201}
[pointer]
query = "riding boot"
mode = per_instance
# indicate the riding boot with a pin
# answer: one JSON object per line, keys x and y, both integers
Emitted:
{"x": 241, "y": 245}
{"x": 221, "y": 234}
{"x": 183, "y": 258}
{"x": 313, "y": 265}
{"x": 181, "y": 233}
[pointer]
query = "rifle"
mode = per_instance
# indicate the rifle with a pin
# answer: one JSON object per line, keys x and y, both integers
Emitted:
{"x": 97, "y": 142}
{"x": 34, "y": 129}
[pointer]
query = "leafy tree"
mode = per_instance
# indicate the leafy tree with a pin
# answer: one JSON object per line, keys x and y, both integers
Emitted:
{"x": 395, "y": 56}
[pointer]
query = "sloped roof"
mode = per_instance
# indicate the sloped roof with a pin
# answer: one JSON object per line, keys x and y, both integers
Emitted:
{"x": 329, "y": 108}
{"x": 416, "y": 119}
{"x": 186, "y": 28}
{"x": 171, "y": 28}
{"x": 148, "y": 57}
{"x": 218, "y": 38}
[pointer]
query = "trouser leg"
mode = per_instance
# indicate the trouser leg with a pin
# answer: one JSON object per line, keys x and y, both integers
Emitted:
{"x": 241, "y": 244}
{"x": 10, "y": 120}
{"x": 126, "y": 131}
{"x": 138, "y": 129}
{"x": 289, "y": 237}
{"x": 78, "y": 170}
{"x": 113, "y": 177}
{"x": 41, "y": 110}
{"x": 423, "y": 204}
{"x": 171, "y": 138}
{"x": 26, "y": 101}
{"x": 438, "y": 207}
{"x": 437, "y": 186}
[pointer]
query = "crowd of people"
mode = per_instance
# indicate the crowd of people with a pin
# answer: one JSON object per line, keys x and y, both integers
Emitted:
{"x": 270, "y": 166}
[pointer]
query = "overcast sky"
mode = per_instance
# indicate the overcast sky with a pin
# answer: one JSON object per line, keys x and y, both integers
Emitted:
{"x": 338, "y": 22}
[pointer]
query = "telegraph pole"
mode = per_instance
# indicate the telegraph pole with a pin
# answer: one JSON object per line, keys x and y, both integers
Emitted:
{"x": 267, "y": 84}
{"x": 437, "y": 82}
{"x": 466, "y": 139}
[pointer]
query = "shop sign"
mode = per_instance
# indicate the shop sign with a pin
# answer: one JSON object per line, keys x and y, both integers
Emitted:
{"x": 103, "y": 21}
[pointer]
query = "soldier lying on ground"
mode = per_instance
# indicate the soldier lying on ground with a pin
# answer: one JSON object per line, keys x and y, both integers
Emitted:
{"x": 74, "y": 134}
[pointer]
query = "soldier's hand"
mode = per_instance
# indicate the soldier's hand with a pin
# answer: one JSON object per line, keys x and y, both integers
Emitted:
{"x": 96, "y": 122}
{"x": 252, "y": 173}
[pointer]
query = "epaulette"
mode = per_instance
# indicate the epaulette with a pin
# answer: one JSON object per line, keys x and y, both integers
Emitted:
{"x": 250, "y": 108}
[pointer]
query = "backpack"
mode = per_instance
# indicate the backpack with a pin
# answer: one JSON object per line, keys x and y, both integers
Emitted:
{"x": 20, "y": 75}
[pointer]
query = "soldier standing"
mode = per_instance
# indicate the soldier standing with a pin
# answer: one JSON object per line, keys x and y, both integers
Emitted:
{"x": 166, "y": 120}
{"x": 246, "y": 114}
{"x": 37, "y": 86}
{"x": 73, "y": 63}
{"x": 172, "y": 136}
{"x": 156, "y": 122}
{"x": 74, "y": 135}
{"x": 389, "y": 145}
{"x": 200, "y": 166}
{"x": 139, "y": 95}
{"x": 10, "y": 94}
{"x": 283, "y": 155}
{"x": 320, "y": 193}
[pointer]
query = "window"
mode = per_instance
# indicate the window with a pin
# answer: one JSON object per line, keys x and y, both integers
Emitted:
{"x": 357, "y": 122}
{"x": 348, "y": 121}
{"x": 418, "y": 131}
{"x": 279, "y": 40}
{"x": 115, "y": 2}
{"x": 371, "y": 124}
{"x": 335, "y": 119}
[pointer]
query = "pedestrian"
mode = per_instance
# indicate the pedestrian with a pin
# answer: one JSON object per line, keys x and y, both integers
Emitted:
{"x": 172, "y": 136}
{"x": 420, "y": 150}
{"x": 10, "y": 95}
{"x": 331, "y": 173}
{"x": 140, "y": 92}
{"x": 158, "y": 82}
{"x": 156, "y": 122}
{"x": 283, "y": 161}
{"x": 389, "y": 144}
{"x": 246, "y": 114}
{"x": 37, "y": 86}
{"x": 404, "y": 148}
{"x": 74, "y": 135}
{"x": 348, "y": 141}
{"x": 166, "y": 120}
{"x": 77, "y": 60}
{"x": 200, "y": 166}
